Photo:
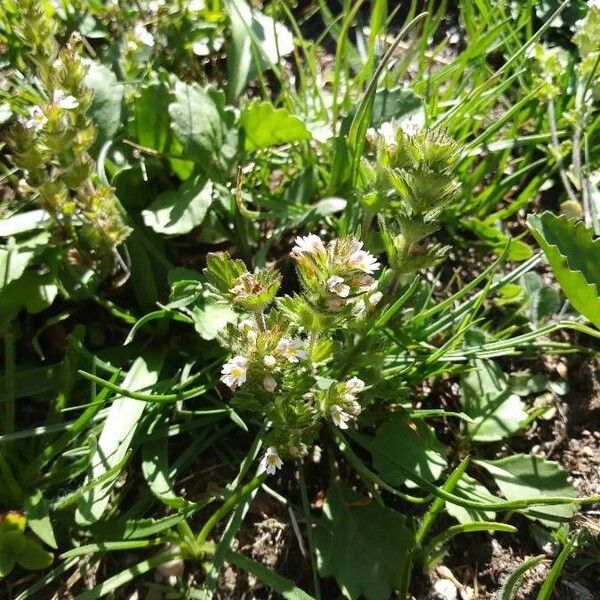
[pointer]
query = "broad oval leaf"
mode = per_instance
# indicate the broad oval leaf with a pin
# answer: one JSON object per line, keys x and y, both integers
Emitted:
{"x": 264, "y": 126}
{"x": 521, "y": 476}
{"x": 177, "y": 212}
{"x": 410, "y": 444}
{"x": 363, "y": 545}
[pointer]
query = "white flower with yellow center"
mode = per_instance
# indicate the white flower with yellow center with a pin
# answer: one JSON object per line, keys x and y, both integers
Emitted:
{"x": 338, "y": 416}
{"x": 234, "y": 371}
{"x": 337, "y": 286}
{"x": 64, "y": 101}
{"x": 292, "y": 349}
{"x": 271, "y": 460}
{"x": 311, "y": 244}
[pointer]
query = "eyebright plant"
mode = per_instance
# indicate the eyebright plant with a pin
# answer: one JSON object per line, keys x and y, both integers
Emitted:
{"x": 282, "y": 350}
{"x": 51, "y": 143}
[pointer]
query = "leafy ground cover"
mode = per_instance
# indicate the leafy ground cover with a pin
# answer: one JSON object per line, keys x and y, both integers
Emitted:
{"x": 299, "y": 300}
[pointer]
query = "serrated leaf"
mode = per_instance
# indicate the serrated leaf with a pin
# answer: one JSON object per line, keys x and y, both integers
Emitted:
{"x": 107, "y": 99}
{"x": 363, "y": 545}
{"x": 521, "y": 476}
{"x": 205, "y": 128}
{"x": 177, "y": 212}
{"x": 575, "y": 259}
{"x": 117, "y": 433}
{"x": 264, "y": 126}
{"x": 413, "y": 445}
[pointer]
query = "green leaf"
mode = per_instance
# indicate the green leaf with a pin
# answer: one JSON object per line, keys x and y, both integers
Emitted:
{"x": 178, "y": 212}
{"x": 23, "y": 222}
{"x": 32, "y": 292}
{"x": 32, "y": 556}
{"x": 521, "y": 476}
{"x": 254, "y": 38}
{"x": 365, "y": 546}
{"x": 399, "y": 104}
{"x": 117, "y": 433}
{"x": 7, "y": 563}
{"x": 205, "y": 127}
{"x": 575, "y": 259}
{"x": 38, "y": 518}
{"x": 107, "y": 98}
{"x": 487, "y": 399}
{"x": 511, "y": 585}
{"x": 280, "y": 584}
{"x": 210, "y": 318}
{"x": 155, "y": 465}
{"x": 150, "y": 126}
{"x": 413, "y": 445}
{"x": 471, "y": 489}
{"x": 15, "y": 256}
{"x": 264, "y": 126}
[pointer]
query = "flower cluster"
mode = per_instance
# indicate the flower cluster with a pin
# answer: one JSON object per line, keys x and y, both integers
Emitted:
{"x": 274, "y": 366}
{"x": 51, "y": 143}
{"x": 263, "y": 358}
{"x": 412, "y": 180}
{"x": 342, "y": 403}
{"x": 337, "y": 274}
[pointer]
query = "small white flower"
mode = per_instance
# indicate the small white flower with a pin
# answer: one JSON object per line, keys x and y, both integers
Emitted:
{"x": 143, "y": 35}
{"x": 375, "y": 298}
{"x": 338, "y": 416}
{"x": 269, "y": 383}
{"x": 335, "y": 304}
{"x": 269, "y": 361}
{"x": 371, "y": 136}
{"x": 311, "y": 244}
{"x": 337, "y": 286}
{"x": 63, "y": 101}
{"x": 37, "y": 119}
{"x": 195, "y": 5}
{"x": 234, "y": 371}
{"x": 292, "y": 349}
{"x": 355, "y": 385}
{"x": 271, "y": 460}
{"x": 363, "y": 261}
{"x": 386, "y": 131}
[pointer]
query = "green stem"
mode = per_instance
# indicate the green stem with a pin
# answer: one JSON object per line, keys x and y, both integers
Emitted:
{"x": 309, "y": 532}
{"x": 228, "y": 506}
{"x": 438, "y": 504}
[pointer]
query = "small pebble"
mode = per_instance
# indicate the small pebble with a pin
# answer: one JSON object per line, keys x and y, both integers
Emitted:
{"x": 467, "y": 593}
{"x": 445, "y": 590}
{"x": 587, "y": 451}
